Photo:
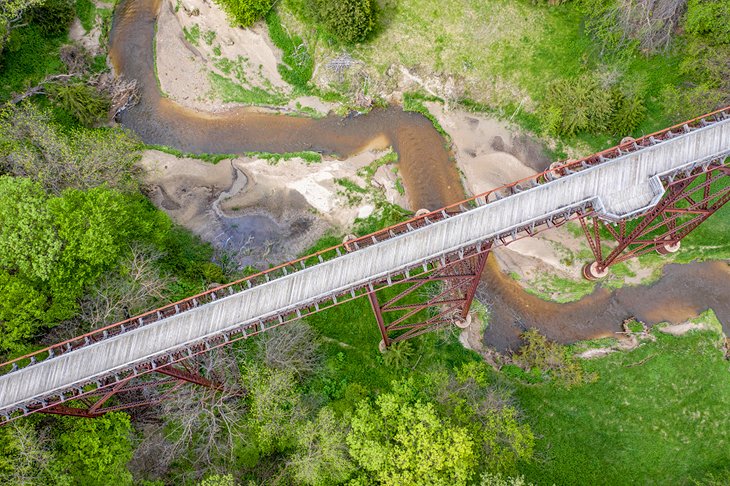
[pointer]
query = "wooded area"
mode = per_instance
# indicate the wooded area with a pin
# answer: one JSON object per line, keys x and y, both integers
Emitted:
{"x": 315, "y": 402}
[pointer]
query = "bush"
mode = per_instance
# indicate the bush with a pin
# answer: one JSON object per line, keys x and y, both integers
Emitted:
{"x": 709, "y": 18}
{"x": 348, "y": 21}
{"x": 52, "y": 17}
{"x": 553, "y": 360}
{"x": 245, "y": 12}
{"x": 584, "y": 105}
{"x": 84, "y": 102}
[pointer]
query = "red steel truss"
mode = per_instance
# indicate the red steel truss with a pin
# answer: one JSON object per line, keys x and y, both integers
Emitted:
{"x": 438, "y": 307}
{"x": 132, "y": 390}
{"x": 690, "y": 198}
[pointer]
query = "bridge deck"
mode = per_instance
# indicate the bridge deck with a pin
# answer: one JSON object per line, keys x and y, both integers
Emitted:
{"x": 617, "y": 189}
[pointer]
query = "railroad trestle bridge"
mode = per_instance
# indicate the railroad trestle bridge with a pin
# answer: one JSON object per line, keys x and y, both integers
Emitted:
{"x": 644, "y": 195}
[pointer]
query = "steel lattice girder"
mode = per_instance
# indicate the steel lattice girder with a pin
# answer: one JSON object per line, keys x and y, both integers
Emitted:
{"x": 689, "y": 200}
{"x": 449, "y": 302}
{"x": 98, "y": 402}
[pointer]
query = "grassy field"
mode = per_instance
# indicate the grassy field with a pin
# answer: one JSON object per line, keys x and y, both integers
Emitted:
{"x": 657, "y": 415}
{"x": 501, "y": 55}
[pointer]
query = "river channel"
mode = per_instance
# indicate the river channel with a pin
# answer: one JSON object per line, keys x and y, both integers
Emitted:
{"x": 431, "y": 180}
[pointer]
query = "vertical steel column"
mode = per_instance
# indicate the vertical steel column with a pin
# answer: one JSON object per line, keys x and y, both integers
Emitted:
{"x": 378, "y": 317}
{"x": 459, "y": 275}
{"x": 481, "y": 261}
{"x": 688, "y": 201}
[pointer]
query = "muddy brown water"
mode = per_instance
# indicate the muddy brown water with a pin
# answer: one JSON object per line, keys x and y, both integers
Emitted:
{"x": 159, "y": 120}
{"x": 430, "y": 177}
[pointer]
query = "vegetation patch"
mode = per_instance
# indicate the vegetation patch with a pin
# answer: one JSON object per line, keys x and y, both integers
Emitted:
{"x": 656, "y": 414}
{"x": 231, "y": 92}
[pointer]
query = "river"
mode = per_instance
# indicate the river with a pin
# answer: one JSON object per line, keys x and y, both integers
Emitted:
{"x": 431, "y": 180}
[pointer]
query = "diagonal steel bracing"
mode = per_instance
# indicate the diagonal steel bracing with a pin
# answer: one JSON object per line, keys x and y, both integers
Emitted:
{"x": 616, "y": 185}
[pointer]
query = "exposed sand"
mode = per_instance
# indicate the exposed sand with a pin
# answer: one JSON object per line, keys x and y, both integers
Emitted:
{"x": 259, "y": 212}
{"x": 247, "y": 57}
{"x": 683, "y": 328}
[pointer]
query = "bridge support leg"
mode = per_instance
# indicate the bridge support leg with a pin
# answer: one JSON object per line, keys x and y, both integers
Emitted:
{"x": 690, "y": 198}
{"x": 435, "y": 298}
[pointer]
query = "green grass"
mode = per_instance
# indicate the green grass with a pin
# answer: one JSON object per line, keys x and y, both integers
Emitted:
{"x": 414, "y": 102}
{"x": 657, "y": 415}
{"x": 273, "y": 159}
{"x": 28, "y": 57}
{"x": 350, "y": 330}
{"x": 229, "y": 91}
{"x": 192, "y": 34}
{"x": 86, "y": 12}
{"x": 351, "y": 186}
{"x": 297, "y": 63}
{"x": 502, "y": 55}
{"x": 559, "y": 289}
{"x": 212, "y": 158}
{"x": 711, "y": 239}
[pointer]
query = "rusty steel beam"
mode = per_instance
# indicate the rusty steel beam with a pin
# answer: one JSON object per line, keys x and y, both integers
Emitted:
{"x": 82, "y": 406}
{"x": 458, "y": 278}
{"x": 688, "y": 201}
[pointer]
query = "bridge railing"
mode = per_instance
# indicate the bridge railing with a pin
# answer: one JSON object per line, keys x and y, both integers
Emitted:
{"x": 555, "y": 171}
{"x": 412, "y": 224}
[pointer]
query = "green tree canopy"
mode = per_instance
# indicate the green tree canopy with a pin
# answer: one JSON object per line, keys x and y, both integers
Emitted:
{"x": 321, "y": 456}
{"x": 29, "y": 244}
{"x": 95, "y": 452}
{"x": 349, "y": 21}
{"x": 400, "y": 440}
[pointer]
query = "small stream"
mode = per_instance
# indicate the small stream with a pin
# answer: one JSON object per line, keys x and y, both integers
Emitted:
{"x": 431, "y": 179}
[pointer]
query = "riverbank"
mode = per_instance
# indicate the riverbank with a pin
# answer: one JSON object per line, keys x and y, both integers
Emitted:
{"x": 482, "y": 154}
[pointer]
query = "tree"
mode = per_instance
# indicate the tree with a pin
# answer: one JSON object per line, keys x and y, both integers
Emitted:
{"x": 26, "y": 457}
{"x": 32, "y": 146}
{"x": 84, "y": 102}
{"x": 292, "y": 347}
{"x": 245, "y": 12}
{"x": 28, "y": 241}
{"x": 487, "y": 411}
{"x": 624, "y": 24}
{"x": 52, "y": 17}
{"x": 349, "y": 21}
{"x": 489, "y": 479}
{"x": 204, "y": 425}
{"x": 218, "y": 480}
{"x": 53, "y": 248}
{"x": 134, "y": 288}
{"x": 11, "y": 11}
{"x": 275, "y": 407}
{"x": 95, "y": 452}
{"x": 401, "y": 440}
{"x": 321, "y": 457}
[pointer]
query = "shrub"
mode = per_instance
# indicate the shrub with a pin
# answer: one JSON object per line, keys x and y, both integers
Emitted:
{"x": 52, "y": 17}
{"x": 84, "y": 102}
{"x": 583, "y": 105}
{"x": 245, "y": 12}
{"x": 710, "y": 18}
{"x": 627, "y": 113}
{"x": 552, "y": 359}
{"x": 348, "y": 21}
